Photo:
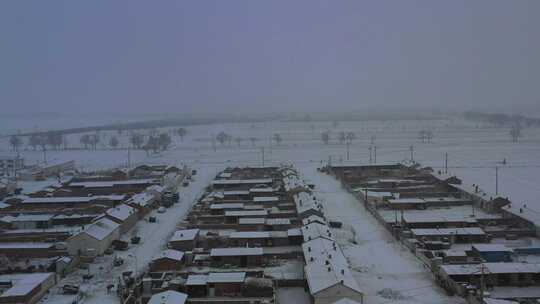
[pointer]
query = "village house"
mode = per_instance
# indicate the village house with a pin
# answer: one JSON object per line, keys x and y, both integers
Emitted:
{"x": 95, "y": 238}
{"x": 30, "y": 250}
{"x": 124, "y": 215}
{"x": 237, "y": 256}
{"x": 111, "y": 187}
{"x": 327, "y": 271}
{"x": 71, "y": 202}
{"x": 259, "y": 238}
{"x": 25, "y": 288}
{"x": 225, "y": 284}
{"x": 168, "y": 260}
{"x": 452, "y": 235}
{"x": 144, "y": 202}
{"x": 184, "y": 240}
{"x": 168, "y": 297}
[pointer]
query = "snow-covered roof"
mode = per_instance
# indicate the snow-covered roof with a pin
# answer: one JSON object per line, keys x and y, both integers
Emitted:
{"x": 247, "y": 213}
{"x": 251, "y": 221}
{"x": 241, "y": 181}
{"x": 25, "y": 245}
{"x": 326, "y": 266}
{"x": 197, "y": 279}
{"x": 168, "y": 297}
{"x": 415, "y": 200}
{"x": 250, "y": 235}
{"x": 121, "y": 212}
{"x": 313, "y": 219}
{"x": 171, "y": 254}
{"x": 235, "y": 192}
{"x": 262, "y": 190}
{"x": 491, "y": 247}
{"x": 448, "y": 231}
{"x": 236, "y": 251}
{"x": 513, "y": 267}
{"x": 316, "y": 230}
{"x": 278, "y": 221}
{"x": 227, "y": 206}
{"x": 109, "y": 184}
{"x": 265, "y": 199}
{"x": 101, "y": 228}
{"x": 155, "y": 188}
{"x": 225, "y": 174}
{"x": 226, "y": 277}
{"x": 142, "y": 199}
{"x": 32, "y": 217}
{"x": 23, "y": 284}
{"x": 185, "y": 235}
{"x": 71, "y": 199}
{"x": 294, "y": 232}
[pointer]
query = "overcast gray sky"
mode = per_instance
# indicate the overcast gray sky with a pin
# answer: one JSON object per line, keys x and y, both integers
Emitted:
{"x": 197, "y": 56}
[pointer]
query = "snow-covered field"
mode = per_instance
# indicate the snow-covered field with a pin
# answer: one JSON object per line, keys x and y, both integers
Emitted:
{"x": 473, "y": 152}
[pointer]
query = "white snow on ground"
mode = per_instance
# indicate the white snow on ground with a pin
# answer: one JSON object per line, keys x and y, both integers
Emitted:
{"x": 154, "y": 237}
{"x": 473, "y": 154}
{"x": 384, "y": 270}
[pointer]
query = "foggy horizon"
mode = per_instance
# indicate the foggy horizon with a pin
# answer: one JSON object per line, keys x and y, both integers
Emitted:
{"x": 242, "y": 57}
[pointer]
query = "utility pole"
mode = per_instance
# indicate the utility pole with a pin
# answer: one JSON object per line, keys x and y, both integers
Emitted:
{"x": 370, "y": 157}
{"x": 496, "y": 180}
{"x": 348, "y": 150}
{"x": 446, "y": 162}
{"x": 263, "y": 156}
{"x": 482, "y": 282}
{"x": 375, "y": 154}
{"x": 411, "y": 148}
{"x": 129, "y": 159}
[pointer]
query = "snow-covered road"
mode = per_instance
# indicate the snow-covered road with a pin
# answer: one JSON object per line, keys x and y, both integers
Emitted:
{"x": 154, "y": 237}
{"x": 387, "y": 272}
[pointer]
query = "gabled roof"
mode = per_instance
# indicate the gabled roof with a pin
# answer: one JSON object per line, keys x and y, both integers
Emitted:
{"x": 326, "y": 266}
{"x": 101, "y": 229}
{"x": 185, "y": 235}
{"x": 236, "y": 251}
{"x": 316, "y": 230}
{"x": 121, "y": 212}
{"x": 226, "y": 277}
{"x": 171, "y": 254}
{"x": 168, "y": 297}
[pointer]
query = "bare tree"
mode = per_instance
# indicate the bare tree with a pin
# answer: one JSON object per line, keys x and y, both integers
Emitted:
{"x": 164, "y": 141}
{"x": 34, "y": 141}
{"x": 136, "y": 139}
{"x": 181, "y": 132}
{"x": 372, "y": 140}
{"x": 515, "y": 132}
{"x": 85, "y": 140}
{"x": 325, "y": 136}
{"x": 15, "y": 142}
{"x": 277, "y": 138}
{"x": 113, "y": 142}
{"x": 222, "y": 137}
{"x": 350, "y": 137}
{"x": 342, "y": 137}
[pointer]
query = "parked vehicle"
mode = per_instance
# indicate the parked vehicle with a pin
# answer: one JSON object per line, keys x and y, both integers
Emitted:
{"x": 335, "y": 224}
{"x": 70, "y": 289}
{"x": 193, "y": 172}
{"x": 161, "y": 210}
{"x": 167, "y": 199}
{"x": 120, "y": 245}
{"x": 118, "y": 261}
{"x": 135, "y": 240}
{"x": 152, "y": 219}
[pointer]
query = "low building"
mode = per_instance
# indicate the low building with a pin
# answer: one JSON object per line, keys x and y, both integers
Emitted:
{"x": 95, "y": 239}
{"x": 237, "y": 256}
{"x": 184, "y": 240}
{"x": 25, "y": 288}
{"x": 492, "y": 253}
{"x": 168, "y": 260}
{"x": 124, "y": 215}
{"x": 168, "y": 297}
{"x": 453, "y": 235}
{"x": 32, "y": 221}
{"x": 225, "y": 284}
